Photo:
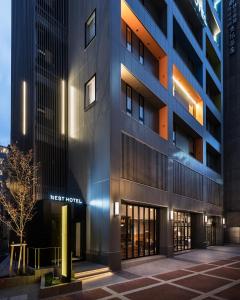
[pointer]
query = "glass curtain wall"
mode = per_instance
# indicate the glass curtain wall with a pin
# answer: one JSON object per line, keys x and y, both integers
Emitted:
{"x": 138, "y": 231}
{"x": 182, "y": 231}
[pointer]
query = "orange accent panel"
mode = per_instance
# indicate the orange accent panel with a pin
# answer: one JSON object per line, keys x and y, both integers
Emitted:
{"x": 163, "y": 122}
{"x": 192, "y": 93}
{"x": 163, "y": 71}
{"x": 134, "y": 23}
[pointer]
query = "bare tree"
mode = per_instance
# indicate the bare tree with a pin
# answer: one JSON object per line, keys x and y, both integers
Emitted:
{"x": 17, "y": 193}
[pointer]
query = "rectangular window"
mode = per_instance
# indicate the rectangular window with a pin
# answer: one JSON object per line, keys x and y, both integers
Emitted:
{"x": 138, "y": 231}
{"x": 141, "y": 53}
{"x": 90, "y": 29}
{"x": 141, "y": 109}
{"x": 129, "y": 39}
{"x": 129, "y": 99}
{"x": 90, "y": 91}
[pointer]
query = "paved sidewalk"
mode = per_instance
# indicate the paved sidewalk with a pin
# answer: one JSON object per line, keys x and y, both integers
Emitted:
{"x": 198, "y": 274}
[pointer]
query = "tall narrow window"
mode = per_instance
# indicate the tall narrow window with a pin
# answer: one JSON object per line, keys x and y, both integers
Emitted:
{"x": 141, "y": 109}
{"x": 129, "y": 39}
{"x": 141, "y": 53}
{"x": 90, "y": 28}
{"x": 129, "y": 100}
{"x": 90, "y": 91}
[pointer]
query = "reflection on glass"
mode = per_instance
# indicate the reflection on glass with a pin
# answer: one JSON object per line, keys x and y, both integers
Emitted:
{"x": 130, "y": 232}
{"x": 141, "y": 232}
{"x": 123, "y": 231}
{"x": 135, "y": 235}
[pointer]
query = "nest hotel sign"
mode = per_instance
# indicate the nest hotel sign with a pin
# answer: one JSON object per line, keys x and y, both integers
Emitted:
{"x": 197, "y": 4}
{"x": 65, "y": 199}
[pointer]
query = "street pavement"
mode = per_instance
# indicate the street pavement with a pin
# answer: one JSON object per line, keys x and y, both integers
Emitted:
{"x": 198, "y": 274}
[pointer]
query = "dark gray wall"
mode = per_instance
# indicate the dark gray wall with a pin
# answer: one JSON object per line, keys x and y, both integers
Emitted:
{"x": 232, "y": 127}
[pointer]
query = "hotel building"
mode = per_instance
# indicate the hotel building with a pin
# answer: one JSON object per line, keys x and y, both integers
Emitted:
{"x": 231, "y": 23}
{"x": 121, "y": 101}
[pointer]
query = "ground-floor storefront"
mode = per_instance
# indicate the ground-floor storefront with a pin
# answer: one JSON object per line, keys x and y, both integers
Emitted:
{"x": 149, "y": 230}
{"x": 140, "y": 230}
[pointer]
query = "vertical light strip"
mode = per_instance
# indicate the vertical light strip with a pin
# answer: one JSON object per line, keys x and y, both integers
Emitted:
{"x": 24, "y": 108}
{"x": 64, "y": 239}
{"x": 63, "y": 105}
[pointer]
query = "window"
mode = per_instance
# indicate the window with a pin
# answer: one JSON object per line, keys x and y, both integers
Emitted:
{"x": 141, "y": 52}
{"x": 141, "y": 109}
{"x": 138, "y": 231}
{"x": 90, "y": 91}
{"x": 129, "y": 39}
{"x": 90, "y": 29}
{"x": 129, "y": 100}
{"x": 181, "y": 231}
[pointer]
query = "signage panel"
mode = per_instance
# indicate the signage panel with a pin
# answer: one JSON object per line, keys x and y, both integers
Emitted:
{"x": 65, "y": 199}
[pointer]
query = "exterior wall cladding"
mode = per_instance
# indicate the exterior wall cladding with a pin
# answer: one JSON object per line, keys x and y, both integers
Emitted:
{"x": 231, "y": 21}
{"x": 152, "y": 138}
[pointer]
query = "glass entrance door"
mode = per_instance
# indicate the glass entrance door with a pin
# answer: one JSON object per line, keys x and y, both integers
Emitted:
{"x": 211, "y": 232}
{"x": 181, "y": 231}
{"x": 138, "y": 231}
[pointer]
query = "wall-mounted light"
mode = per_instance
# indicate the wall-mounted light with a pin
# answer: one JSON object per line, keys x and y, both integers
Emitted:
{"x": 63, "y": 104}
{"x": 206, "y": 219}
{"x": 182, "y": 88}
{"x": 24, "y": 108}
{"x": 223, "y": 221}
{"x": 116, "y": 208}
{"x": 171, "y": 215}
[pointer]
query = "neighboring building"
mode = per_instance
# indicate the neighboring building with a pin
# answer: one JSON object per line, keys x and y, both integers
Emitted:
{"x": 3, "y": 228}
{"x": 131, "y": 118}
{"x": 231, "y": 119}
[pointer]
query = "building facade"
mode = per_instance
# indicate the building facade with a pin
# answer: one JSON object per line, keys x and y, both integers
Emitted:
{"x": 231, "y": 119}
{"x": 138, "y": 115}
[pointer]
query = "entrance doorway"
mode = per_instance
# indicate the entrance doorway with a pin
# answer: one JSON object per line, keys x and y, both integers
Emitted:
{"x": 138, "y": 231}
{"x": 181, "y": 231}
{"x": 211, "y": 231}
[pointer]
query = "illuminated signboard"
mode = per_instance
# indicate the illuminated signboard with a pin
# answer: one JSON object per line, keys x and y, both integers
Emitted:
{"x": 197, "y": 4}
{"x": 65, "y": 199}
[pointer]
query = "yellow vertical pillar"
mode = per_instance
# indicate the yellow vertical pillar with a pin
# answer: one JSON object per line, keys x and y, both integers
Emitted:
{"x": 66, "y": 248}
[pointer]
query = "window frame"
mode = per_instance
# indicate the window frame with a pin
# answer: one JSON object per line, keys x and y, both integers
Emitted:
{"x": 87, "y": 106}
{"x": 139, "y": 52}
{"x": 141, "y": 99}
{"x": 89, "y": 42}
{"x": 129, "y": 111}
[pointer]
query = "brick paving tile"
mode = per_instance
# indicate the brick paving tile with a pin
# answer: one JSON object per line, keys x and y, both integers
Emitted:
{"x": 162, "y": 292}
{"x": 230, "y": 273}
{"x": 173, "y": 275}
{"x": 235, "y": 258}
{"x": 202, "y": 267}
{"x": 236, "y": 265}
{"x": 222, "y": 262}
{"x": 131, "y": 285}
{"x": 232, "y": 293}
{"x": 87, "y": 295}
{"x": 202, "y": 283}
